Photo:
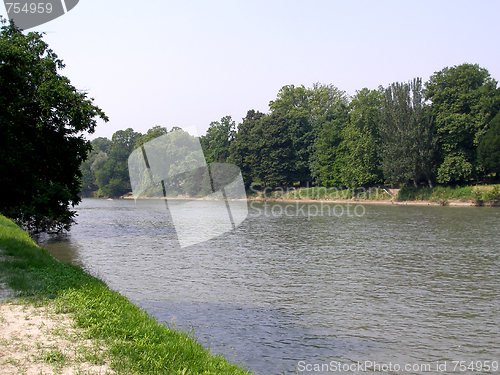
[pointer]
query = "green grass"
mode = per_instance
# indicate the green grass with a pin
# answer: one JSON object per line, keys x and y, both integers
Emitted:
{"x": 323, "y": 193}
{"x": 477, "y": 194}
{"x": 136, "y": 342}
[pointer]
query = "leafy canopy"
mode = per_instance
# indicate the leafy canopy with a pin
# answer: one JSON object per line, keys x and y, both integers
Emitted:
{"x": 42, "y": 118}
{"x": 464, "y": 100}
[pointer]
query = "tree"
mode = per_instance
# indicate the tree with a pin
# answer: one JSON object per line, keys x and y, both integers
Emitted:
{"x": 217, "y": 141}
{"x": 327, "y": 158}
{"x": 305, "y": 110}
{"x": 277, "y": 167}
{"x": 111, "y": 168}
{"x": 262, "y": 149}
{"x": 360, "y": 140}
{"x": 154, "y": 132}
{"x": 245, "y": 148}
{"x": 123, "y": 143}
{"x": 95, "y": 161}
{"x": 489, "y": 148}
{"x": 464, "y": 100}
{"x": 407, "y": 138}
{"x": 42, "y": 118}
{"x": 101, "y": 144}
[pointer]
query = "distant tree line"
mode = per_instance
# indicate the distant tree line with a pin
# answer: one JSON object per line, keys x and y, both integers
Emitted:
{"x": 445, "y": 131}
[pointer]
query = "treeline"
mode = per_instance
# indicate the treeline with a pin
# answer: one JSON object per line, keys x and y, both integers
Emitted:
{"x": 445, "y": 131}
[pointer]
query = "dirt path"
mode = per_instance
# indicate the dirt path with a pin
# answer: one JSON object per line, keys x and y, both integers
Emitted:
{"x": 36, "y": 340}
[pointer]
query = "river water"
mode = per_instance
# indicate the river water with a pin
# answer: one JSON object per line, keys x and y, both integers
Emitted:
{"x": 410, "y": 289}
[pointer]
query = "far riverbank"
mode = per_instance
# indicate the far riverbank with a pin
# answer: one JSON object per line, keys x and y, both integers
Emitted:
{"x": 466, "y": 196}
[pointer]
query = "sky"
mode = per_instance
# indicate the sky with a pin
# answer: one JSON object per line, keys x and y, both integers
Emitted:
{"x": 191, "y": 62}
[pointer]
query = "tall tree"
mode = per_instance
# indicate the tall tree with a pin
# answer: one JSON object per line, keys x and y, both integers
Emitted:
{"x": 277, "y": 167}
{"x": 464, "y": 100}
{"x": 113, "y": 177}
{"x": 489, "y": 148}
{"x": 305, "y": 111}
{"x": 123, "y": 143}
{"x": 328, "y": 154}
{"x": 155, "y": 132}
{"x": 360, "y": 140}
{"x": 262, "y": 149}
{"x": 217, "y": 141}
{"x": 42, "y": 120}
{"x": 245, "y": 149}
{"x": 407, "y": 137}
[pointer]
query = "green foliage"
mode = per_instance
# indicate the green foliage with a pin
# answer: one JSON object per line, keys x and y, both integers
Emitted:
{"x": 360, "y": 140}
{"x": 489, "y": 148}
{"x": 276, "y": 155}
{"x": 105, "y": 172}
{"x": 197, "y": 182}
{"x": 455, "y": 167}
{"x": 262, "y": 149}
{"x": 154, "y": 132}
{"x": 312, "y": 103}
{"x": 318, "y": 134}
{"x": 407, "y": 136}
{"x": 493, "y": 195}
{"x": 464, "y": 100}
{"x": 217, "y": 141}
{"x": 443, "y": 194}
{"x": 245, "y": 149}
{"x": 328, "y": 157}
{"x": 306, "y": 110}
{"x": 42, "y": 119}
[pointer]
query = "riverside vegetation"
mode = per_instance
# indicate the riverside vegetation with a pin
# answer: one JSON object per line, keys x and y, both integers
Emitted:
{"x": 478, "y": 195}
{"x": 475, "y": 195}
{"x": 135, "y": 342}
{"x": 443, "y": 132}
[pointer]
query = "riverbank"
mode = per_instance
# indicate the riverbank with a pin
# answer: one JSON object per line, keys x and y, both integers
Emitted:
{"x": 128, "y": 340}
{"x": 367, "y": 201}
{"x": 390, "y": 201}
{"x": 484, "y": 195}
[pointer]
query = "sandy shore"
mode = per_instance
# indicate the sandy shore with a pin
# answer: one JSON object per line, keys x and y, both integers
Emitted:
{"x": 36, "y": 340}
{"x": 335, "y": 201}
{"x": 367, "y": 201}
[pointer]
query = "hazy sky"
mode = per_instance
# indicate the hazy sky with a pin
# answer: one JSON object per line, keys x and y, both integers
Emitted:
{"x": 188, "y": 63}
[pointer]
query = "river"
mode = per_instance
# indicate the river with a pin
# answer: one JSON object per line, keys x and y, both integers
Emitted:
{"x": 288, "y": 290}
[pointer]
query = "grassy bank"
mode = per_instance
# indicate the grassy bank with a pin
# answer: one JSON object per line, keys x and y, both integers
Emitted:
{"x": 474, "y": 195}
{"x": 321, "y": 193}
{"x": 136, "y": 343}
{"x": 479, "y": 195}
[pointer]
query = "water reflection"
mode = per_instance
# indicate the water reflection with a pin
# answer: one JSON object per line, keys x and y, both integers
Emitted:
{"x": 62, "y": 247}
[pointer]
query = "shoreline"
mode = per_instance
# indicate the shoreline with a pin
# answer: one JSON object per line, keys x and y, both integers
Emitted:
{"x": 387, "y": 202}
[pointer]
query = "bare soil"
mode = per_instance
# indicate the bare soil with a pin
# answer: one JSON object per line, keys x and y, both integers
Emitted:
{"x": 36, "y": 340}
